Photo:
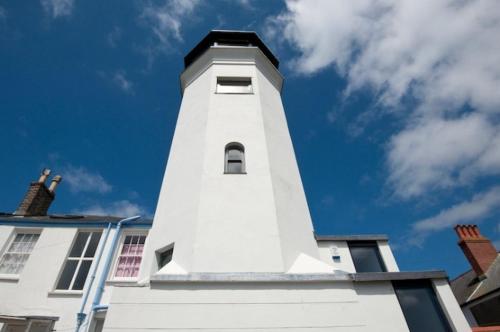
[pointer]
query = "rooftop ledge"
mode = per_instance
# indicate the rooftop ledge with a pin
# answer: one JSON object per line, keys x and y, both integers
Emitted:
{"x": 357, "y": 237}
{"x": 285, "y": 277}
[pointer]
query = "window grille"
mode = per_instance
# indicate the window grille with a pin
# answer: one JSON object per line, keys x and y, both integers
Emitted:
{"x": 15, "y": 257}
{"x": 129, "y": 260}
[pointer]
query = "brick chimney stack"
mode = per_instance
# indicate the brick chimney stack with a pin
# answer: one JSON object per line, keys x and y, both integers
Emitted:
{"x": 38, "y": 198}
{"x": 479, "y": 250}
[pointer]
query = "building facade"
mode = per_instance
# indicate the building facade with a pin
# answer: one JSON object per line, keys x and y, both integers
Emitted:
{"x": 52, "y": 266}
{"x": 231, "y": 246}
{"x": 478, "y": 289}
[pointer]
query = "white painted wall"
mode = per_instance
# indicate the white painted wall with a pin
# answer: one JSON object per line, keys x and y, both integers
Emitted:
{"x": 30, "y": 295}
{"x": 257, "y": 306}
{"x": 387, "y": 256}
{"x": 325, "y": 251}
{"x": 33, "y": 292}
{"x": 346, "y": 264}
{"x": 450, "y": 305}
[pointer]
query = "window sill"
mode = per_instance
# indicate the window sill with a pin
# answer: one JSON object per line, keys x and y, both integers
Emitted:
{"x": 9, "y": 277}
{"x": 112, "y": 282}
{"x": 65, "y": 293}
{"x": 234, "y": 93}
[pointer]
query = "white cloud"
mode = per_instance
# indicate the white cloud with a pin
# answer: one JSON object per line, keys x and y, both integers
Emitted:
{"x": 166, "y": 21}
{"x": 114, "y": 36}
{"x": 435, "y": 153}
{"x": 327, "y": 200}
{"x": 3, "y": 13}
{"x": 120, "y": 79}
{"x": 58, "y": 8}
{"x": 442, "y": 50}
{"x": 477, "y": 208}
{"x": 123, "y": 208}
{"x": 81, "y": 179}
{"x": 443, "y": 54}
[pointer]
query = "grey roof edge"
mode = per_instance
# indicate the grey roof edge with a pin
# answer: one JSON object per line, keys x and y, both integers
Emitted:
{"x": 32, "y": 317}
{"x": 65, "y": 218}
{"x": 356, "y": 237}
{"x": 251, "y": 277}
{"x": 381, "y": 276}
{"x": 480, "y": 298}
{"x": 303, "y": 278}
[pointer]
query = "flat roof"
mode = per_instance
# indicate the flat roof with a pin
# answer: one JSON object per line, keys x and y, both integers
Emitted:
{"x": 355, "y": 237}
{"x": 229, "y": 37}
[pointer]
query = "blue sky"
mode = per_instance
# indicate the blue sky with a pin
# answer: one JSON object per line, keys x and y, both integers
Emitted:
{"x": 393, "y": 108}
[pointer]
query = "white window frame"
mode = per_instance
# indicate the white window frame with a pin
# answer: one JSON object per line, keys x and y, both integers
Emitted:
{"x": 117, "y": 255}
{"x": 12, "y": 237}
{"x": 80, "y": 260}
{"x": 234, "y": 89}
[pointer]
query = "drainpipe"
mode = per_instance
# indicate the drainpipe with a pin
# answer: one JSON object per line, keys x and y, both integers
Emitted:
{"x": 80, "y": 316}
{"x": 100, "y": 289}
{"x": 107, "y": 264}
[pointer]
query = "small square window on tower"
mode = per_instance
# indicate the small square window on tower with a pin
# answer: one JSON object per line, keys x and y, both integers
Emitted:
{"x": 164, "y": 255}
{"x": 234, "y": 85}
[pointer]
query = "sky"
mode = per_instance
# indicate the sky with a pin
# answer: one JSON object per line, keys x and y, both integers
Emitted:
{"x": 393, "y": 107}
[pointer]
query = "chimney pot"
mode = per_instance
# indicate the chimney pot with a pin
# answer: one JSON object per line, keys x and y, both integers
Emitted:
{"x": 478, "y": 250}
{"x": 44, "y": 175}
{"x": 55, "y": 181}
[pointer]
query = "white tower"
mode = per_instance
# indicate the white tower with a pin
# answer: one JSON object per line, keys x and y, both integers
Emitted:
{"x": 232, "y": 198}
{"x": 232, "y": 246}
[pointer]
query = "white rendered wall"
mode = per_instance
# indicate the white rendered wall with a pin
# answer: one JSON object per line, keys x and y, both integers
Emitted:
{"x": 254, "y": 222}
{"x": 450, "y": 305}
{"x": 325, "y": 251}
{"x": 387, "y": 256}
{"x": 335, "y": 306}
{"x": 346, "y": 264}
{"x": 33, "y": 293}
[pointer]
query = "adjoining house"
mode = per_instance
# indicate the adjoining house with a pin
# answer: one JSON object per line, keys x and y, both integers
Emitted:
{"x": 51, "y": 264}
{"x": 231, "y": 247}
{"x": 478, "y": 289}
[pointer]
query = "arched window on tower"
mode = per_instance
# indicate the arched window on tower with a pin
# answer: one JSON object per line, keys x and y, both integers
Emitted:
{"x": 234, "y": 159}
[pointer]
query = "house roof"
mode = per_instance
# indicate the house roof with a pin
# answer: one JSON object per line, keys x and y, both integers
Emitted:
{"x": 235, "y": 38}
{"x": 64, "y": 219}
{"x": 467, "y": 287}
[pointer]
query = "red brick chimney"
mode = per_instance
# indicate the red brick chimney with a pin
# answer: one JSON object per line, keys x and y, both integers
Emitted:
{"x": 479, "y": 250}
{"x": 38, "y": 198}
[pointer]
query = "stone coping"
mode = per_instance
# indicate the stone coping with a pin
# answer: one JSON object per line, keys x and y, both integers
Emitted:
{"x": 285, "y": 277}
{"x": 381, "y": 276}
{"x": 358, "y": 237}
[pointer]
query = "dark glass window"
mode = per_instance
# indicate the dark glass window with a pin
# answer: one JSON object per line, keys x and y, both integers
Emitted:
{"x": 487, "y": 313}
{"x": 420, "y": 306}
{"x": 234, "y": 85}
{"x": 165, "y": 257}
{"x": 366, "y": 257}
{"x": 80, "y": 258}
{"x": 234, "y": 159}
